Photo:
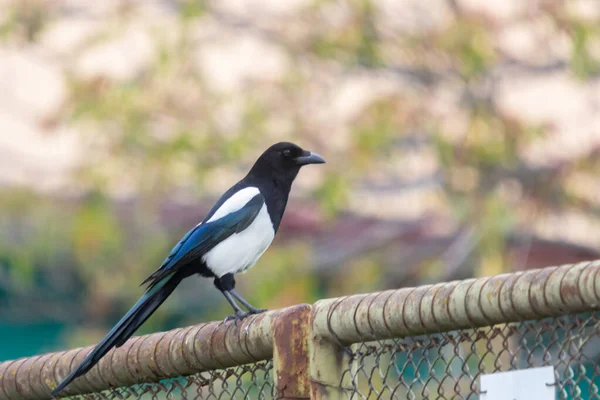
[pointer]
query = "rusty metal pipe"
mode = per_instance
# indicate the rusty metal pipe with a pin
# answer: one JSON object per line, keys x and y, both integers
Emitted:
{"x": 534, "y": 294}
{"x": 333, "y": 324}
{"x": 290, "y": 354}
{"x": 147, "y": 358}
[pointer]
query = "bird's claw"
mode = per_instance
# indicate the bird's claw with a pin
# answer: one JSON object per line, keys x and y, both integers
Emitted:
{"x": 237, "y": 316}
{"x": 240, "y": 315}
{"x": 257, "y": 310}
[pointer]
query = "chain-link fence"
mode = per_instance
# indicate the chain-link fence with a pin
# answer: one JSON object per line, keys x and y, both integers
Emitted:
{"x": 438, "y": 366}
{"x": 449, "y": 365}
{"x": 250, "y": 381}
{"x": 430, "y": 342}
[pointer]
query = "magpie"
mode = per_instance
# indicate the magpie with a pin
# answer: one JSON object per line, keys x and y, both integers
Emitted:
{"x": 231, "y": 238}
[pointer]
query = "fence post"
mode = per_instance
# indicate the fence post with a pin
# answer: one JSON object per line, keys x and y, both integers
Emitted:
{"x": 290, "y": 353}
{"x": 328, "y": 360}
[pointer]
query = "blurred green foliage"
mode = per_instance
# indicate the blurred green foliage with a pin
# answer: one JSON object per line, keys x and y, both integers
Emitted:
{"x": 583, "y": 63}
{"x": 27, "y": 19}
{"x": 468, "y": 45}
{"x": 163, "y": 131}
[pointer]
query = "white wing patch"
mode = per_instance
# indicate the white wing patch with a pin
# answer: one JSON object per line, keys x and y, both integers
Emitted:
{"x": 241, "y": 250}
{"x": 235, "y": 202}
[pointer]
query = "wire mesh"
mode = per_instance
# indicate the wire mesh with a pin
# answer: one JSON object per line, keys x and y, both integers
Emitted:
{"x": 250, "y": 381}
{"x": 449, "y": 365}
{"x": 440, "y": 366}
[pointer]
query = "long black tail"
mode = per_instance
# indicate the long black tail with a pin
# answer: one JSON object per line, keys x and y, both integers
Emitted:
{"x": 118, "y": 335}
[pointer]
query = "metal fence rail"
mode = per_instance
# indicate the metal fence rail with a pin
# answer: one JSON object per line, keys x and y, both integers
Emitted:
{"x": 429, "y": 342}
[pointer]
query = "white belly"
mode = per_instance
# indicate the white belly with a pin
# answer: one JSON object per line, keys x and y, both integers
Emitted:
{"x": 242, "y": 250}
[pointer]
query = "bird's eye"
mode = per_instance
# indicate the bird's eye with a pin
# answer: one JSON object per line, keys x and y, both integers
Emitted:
{"x": 287, "y": 153}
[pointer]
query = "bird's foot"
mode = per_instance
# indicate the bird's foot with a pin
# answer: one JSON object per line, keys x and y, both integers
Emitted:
{"x": 252, "y": 310}
{"x": 237, "y": 316}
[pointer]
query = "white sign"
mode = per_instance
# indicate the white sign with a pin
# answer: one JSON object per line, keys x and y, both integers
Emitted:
{"x": 524, "y": 384}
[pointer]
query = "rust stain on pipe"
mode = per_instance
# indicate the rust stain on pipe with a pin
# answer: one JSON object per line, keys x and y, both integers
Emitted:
{"x": 290, "y": 354}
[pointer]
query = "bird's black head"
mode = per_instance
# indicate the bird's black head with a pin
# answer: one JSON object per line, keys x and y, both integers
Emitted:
{"x": 283, "y": 161}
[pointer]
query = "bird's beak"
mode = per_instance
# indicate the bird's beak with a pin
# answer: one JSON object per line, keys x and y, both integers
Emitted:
{"x": 309, "y": 158}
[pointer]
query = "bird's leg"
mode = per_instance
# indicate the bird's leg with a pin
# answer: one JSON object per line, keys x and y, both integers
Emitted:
{"x": 226, "y": 284}
{"x": 250, "y": 307}
{"x": 239, "y": 313}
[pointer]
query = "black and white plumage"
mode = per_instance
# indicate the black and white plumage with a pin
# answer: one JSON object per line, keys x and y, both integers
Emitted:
{"x": 236, "y": 232}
